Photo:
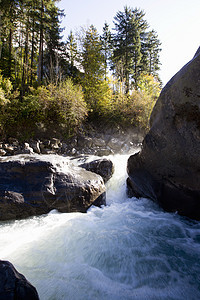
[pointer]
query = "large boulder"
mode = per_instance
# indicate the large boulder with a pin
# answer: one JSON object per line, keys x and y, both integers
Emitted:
{"x": 167, "y": 169}
{"x": 14, "y": 285}
{"x": 104, "y": 167}
{"x": 33, "y": 186}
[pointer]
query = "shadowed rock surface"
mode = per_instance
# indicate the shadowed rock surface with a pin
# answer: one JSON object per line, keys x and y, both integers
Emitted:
{"x": 13, "y": 285}
{"x": 167, "y": 169}
{"x": 103, "y": 167}
{"x": 30, "y": 186}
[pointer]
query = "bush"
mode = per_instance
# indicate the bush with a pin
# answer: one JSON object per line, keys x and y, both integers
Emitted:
{"x": 145, "y": 98}
{"x": 63, "y": 105}
{"x": 135, "y": 109}
{"x": 98, "y": 96}
{"x": 5, "y": 90}
{"x": 53, "y": 108}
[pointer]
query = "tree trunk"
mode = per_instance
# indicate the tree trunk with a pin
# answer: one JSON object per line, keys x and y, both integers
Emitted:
{"x": 0, "y": 34}
{"x": 40, "y": 63}
{"x": 25, "y": 62}
{"x": 10, "y": 53}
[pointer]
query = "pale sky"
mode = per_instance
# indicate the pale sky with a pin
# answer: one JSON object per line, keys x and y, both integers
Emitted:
{"x": 177, "y": 23}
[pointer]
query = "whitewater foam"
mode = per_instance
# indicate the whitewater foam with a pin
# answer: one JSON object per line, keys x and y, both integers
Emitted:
{"x": 130, "y": 249}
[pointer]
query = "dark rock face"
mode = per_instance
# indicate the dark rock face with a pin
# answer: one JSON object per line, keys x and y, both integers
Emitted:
{"x": 103, "y": 167}
{"x": 30, "y": 186}
{"x": 167, "y": 169}
{"x": 14, "y": 285}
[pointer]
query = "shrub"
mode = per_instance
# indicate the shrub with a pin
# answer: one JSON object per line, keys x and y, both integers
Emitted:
{"x": 135, "y": 109}
{"x": 5, "y": 90}
{"x": 145, "y": 98}
{"x": 57, "y": 109}
{"x": 63, "y": 105}
{"x": 98, "y": 96}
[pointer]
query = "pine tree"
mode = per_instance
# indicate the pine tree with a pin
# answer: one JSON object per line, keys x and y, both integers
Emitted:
{"x": 34, "y": 15}
{"x": 122, "y": 43}
{"x": 92, "y": 58}
{"x": 106, "y": 40}
{"x": 130, "y": 27}
{"x": 9, "y": 10}
{"x": 150, "y": 54}
{"x": 96, "y": 89}
{"x": 72, "y": 53}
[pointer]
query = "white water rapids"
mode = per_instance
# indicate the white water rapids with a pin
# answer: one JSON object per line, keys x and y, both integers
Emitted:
{"x": 128, "y": 250}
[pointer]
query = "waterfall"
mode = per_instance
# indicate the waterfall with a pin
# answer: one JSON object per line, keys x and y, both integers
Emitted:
{"x": 130, "y": 249}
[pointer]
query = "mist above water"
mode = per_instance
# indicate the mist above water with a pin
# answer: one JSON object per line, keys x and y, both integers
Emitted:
{"x": 130, "y": 249}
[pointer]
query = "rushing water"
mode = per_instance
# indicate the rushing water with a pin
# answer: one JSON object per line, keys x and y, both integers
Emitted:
{"x": 128, "y": 250}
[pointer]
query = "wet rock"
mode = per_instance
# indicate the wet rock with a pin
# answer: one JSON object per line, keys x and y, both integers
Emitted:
{"x": 167, "y": 168}
{"x": 115, "y": 144}
{"x": 13, "y": 141}
{"x": 2, "y": 152}
{"x": 103, "y": 151}
{"x": 84, "y": 142}
{"x": 64, "y": 148}
{"x": 9, "y": 149}
{"x": 31, "y": 186}
{"x": 103, "y": 167}
{"x": 35, "y": 145}
{"x": 14, "y": 285}
{"x": 99, "y": 142}
{"x": 55, "y": 144}
{"x": 27, "y": 149}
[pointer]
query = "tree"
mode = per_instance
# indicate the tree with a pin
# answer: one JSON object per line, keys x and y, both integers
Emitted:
{"x": 72, "y": 53}
{"x": 30, "y": 40}
{"x": 92, "y": 58}
{"x": 96, "y": 89}
{"x": 150, "y": 54}
{"x": 129, "y": 27}
{"x": 9, "y": 10}
{"x": 54, "y": 47}
{"x": 106, "y": 40}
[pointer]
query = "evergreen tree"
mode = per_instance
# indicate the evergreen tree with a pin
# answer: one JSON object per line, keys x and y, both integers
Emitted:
{"x": 140, "y": 26}
{"x": 106, "y": 40}
{"x": 122, "y": 44}
{"x": 34, "y": 40}
{"x": 9, "y": 10}
{"x": 29, "y": 29}
{"x": 72, "y": 53}
{"x": 96, "y": 89}
{"x": 92, "y": 58}
{"x": 54, "y": 47}
{"x": 129, "y": 27}
{"x": 150, "y": 54}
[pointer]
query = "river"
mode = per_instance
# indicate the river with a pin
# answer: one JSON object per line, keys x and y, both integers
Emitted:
{"x": 130, "y": 249}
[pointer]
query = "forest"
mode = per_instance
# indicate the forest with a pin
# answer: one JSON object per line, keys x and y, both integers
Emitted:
{"x": 48, "y": 81}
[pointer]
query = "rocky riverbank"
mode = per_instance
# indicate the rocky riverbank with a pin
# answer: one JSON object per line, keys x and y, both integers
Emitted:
{"x": 92, "y": 142}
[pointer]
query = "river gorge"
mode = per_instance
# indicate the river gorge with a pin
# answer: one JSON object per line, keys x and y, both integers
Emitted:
{"x": 129, "y": 249}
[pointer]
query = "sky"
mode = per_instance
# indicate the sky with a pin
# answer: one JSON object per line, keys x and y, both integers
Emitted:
{"x": 177, "y": 23}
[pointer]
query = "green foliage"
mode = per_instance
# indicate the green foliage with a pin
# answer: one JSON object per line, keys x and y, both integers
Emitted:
{"x": 98, "y": 96}
{"x": 61, "y": 108}
{"x": 32, "y": 54}
{"x": 106, "y": 41}
{"x": 30, "y": 41}
{"x": 135, "y": 109}
{"x": 5, "y": 90}
{"x": 150, "y": 62}
{"x": 72, "y": 53}
{"x": 97, "y": 92}
{"x": 134, "y": 49}
{"x": 63, "y": 104}
{"x": 143, "y": 100}
{"x": 92, "y": 57}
